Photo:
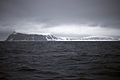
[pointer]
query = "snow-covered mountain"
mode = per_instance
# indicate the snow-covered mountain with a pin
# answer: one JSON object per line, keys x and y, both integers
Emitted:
{"x": 15, "y": 36}
{"x": 96, "y": 38}
{"x": 31, "y": 37}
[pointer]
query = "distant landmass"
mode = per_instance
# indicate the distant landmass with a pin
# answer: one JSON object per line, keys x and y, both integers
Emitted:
{"x": 16, "y": 36}
{"x": 99, "y": 38}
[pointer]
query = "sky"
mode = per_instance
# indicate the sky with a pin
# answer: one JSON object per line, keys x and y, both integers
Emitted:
{"x": 60, "y": 17}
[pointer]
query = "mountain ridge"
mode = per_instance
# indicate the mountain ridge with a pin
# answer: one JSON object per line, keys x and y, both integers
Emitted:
{"x": 17, "y": 36}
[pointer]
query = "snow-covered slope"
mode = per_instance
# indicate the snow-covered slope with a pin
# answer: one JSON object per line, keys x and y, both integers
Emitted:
{"x": 31, "y": 37}
{"x": 48, "y": 37}
{"x": 97, "y": 38}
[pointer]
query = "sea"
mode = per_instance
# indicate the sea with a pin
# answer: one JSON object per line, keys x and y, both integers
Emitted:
{"x": 60, "y": 60}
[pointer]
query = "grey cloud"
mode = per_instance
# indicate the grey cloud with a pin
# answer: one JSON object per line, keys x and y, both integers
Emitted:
{"x": 57, "y": 12}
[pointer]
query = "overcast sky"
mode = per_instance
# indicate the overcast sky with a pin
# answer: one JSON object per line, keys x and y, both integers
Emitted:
{"x": 60, "y": 17}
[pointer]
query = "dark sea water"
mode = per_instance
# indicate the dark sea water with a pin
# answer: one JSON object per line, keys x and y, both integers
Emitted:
{"x": 60, "y": 60}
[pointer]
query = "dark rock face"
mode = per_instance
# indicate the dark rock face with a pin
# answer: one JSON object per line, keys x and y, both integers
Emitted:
{"x": 30, "y": 37}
